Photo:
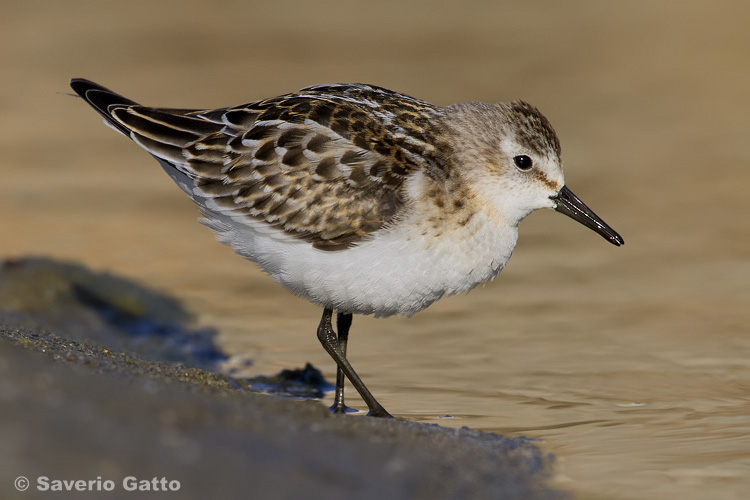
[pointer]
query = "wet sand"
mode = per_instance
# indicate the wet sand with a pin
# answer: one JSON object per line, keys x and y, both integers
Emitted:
{"x": 630, "y": 364}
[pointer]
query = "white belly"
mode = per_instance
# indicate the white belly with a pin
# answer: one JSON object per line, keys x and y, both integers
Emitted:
{"x": 399, "y": 271}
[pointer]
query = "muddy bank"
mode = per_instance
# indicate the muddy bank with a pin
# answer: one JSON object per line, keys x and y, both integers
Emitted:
{"x": 80, "y": 409}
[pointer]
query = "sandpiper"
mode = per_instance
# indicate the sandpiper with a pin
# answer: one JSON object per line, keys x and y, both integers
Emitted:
{"x": 359, "y": 199}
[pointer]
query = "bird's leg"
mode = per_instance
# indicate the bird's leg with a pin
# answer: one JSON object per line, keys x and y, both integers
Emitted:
{"x": 343, "y": 323}
{"x": 331, "y": 344}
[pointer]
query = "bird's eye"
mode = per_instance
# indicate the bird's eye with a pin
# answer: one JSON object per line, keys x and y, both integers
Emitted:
{"x": 523, "y": 162}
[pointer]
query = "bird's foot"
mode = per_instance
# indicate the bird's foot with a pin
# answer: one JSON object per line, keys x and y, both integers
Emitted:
{"x": 379, "y": 411}
{"x": 341, "y": 408}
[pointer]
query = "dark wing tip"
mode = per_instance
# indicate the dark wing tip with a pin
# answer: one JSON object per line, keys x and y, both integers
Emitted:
{"x": 84, "y": 87}
{"x": 102, "y": 100}
{"x": 81, "y": 85}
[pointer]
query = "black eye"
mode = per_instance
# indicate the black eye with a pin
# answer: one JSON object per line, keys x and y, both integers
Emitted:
{"x": 523, "y": 162}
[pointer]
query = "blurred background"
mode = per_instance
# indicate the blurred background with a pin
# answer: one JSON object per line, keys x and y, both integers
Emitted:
{"x": 631, "y": 364}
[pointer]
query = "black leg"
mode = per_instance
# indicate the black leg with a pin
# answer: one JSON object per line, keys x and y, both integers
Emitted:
{"x": 331, "y": 344}
{"x": 343, "y": 323}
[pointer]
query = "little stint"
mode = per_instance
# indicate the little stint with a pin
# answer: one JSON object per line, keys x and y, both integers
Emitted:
{"x": 357, "y": 198}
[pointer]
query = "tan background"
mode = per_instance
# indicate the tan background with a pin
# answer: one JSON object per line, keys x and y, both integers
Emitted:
{"x": 631, "y": 364}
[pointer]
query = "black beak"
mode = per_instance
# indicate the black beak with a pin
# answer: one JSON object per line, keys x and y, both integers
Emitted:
{"x": 567, "y": 203}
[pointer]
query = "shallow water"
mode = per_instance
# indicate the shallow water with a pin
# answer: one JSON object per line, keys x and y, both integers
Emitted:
{"x": 631, "y": 364}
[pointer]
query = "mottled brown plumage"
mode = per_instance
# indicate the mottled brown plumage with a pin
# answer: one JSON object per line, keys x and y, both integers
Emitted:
{"x": 348, "y": 148}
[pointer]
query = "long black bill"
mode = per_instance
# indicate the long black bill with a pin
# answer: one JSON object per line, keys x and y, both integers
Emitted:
{"x": 567, "y": 203}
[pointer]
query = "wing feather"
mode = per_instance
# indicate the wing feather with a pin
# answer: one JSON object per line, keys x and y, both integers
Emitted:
{"x": 325, "y": 165}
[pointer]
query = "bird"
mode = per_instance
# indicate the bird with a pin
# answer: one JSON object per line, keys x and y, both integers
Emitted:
{"x": 357, "y": 198}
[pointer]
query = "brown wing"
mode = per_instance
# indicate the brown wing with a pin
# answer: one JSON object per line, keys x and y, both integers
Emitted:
{"x": 325, "y": 164}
